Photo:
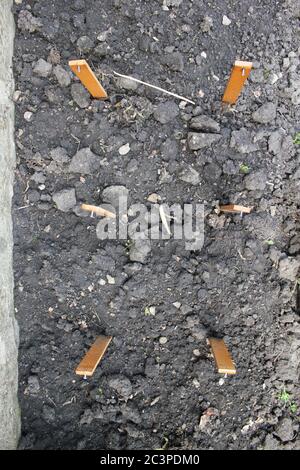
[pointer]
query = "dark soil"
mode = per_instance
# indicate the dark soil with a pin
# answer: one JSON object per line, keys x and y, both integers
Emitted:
{"x": 70, "y": 286}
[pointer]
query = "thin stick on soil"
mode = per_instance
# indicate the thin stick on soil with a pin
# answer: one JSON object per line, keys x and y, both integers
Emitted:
{"x": 98, "y": 210}
{"x": 182, "y": 98}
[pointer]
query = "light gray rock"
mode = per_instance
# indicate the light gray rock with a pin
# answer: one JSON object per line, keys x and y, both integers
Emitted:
{"x": 289, "y": 268}
{"x": 127, "y": 84}
{"x": 256, "y": 181}
{"x": 284, "y": 430}
{"x": 140, "y": 250}
{"x": 205, "y": 124}
{"x": 42, "y": 68}
{"x": 113, "y": 194}
{"x": 122, "y": 385}
{"x": 189, "y": 175}
{"x": 65, "y": 199}
{"x": 197, "y": 141}
{"x": 174, "y": 61}
{"x": 84, "y": 162}
{"x": 80, "y": 95}
{"x": 102, "y": 50}
{"x": 62, "y": 76}
{"x": 85, "y": 44}
{"x": 242, "y": 141}
{"x": 275, "y": 142}
{"x": 166, "y": 112}
{"x": 265, "y": 114}
{"x": 27, "y": 22}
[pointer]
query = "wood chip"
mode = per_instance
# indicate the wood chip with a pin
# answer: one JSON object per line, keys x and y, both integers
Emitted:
{"x": 94, "y": 355}
{"x": 222, "y": 356}
{"x": 98, "y": 210}
{"x": 236, "y": 209}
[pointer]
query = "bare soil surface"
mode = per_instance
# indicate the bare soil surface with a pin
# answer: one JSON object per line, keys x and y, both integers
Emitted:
{"x": 157, "y": 384}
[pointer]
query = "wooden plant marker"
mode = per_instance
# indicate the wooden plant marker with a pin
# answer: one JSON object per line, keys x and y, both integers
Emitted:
{"x": 94, "y": 355}
{"x": 236, "y": 209}
{"x": 98, "y": 210}
{"x": 239, "y": 75}
{"x": 222, "y": 356}
{"x": 87, "y": 77}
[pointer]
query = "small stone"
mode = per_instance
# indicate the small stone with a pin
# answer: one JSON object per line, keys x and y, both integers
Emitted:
{"x": 275, "y": 142}
{"x": 199, "y": 140}
{"x": 177, "y": 305}
{"x": 80, "y": 95}
{"x": 242, "y": 141}
{"x": 62, "y": 76}
{"x": 28, "y": 116}
{"x": 33, "y": 385}
{"x": 166, "y": 112}
{"x": 289, "y": 268}
{"x": 206, "y": 24}
{"x": 27, "y": 22}
{"x": 285, "y": 430}
{"x": 122, "y": 385}
{"x": 102, "y": 50}
{"x": 65, "y": 199}
{"x": 84, "y": 162}
{"x": 265, "y": 114}
{"x": 174, "y": 61}
{"x": 189, "y": 175}
{"x": 110, "y": 279}
{"x": 163, "y": 340}
{"x": 205, "y": 124}
{"x": 54, "y": 56}
{"x": 124, "y": 149}
{"x": 85, "y": 44}
{"x": 42, "y": 68}
{"x": 256, "y": 181}
{"x": 140, "y": 250}
{"x": 127, "y": 84}
{"x": 113, "y": 194}
{"x": 226, "y": 21}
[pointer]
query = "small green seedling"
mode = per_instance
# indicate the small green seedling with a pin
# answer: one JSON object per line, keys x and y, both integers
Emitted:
{"x": 296, "y": 140}
{"x": 293, "y": 407}
{"x": 244, "y": 168}
{"x": 270, "y": 242}
{"x": 284, "y": 396}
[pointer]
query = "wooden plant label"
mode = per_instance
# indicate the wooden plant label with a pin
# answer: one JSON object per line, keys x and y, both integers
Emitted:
{"x": 94, "y": 355}
{"x": 87, "y": 77}
{"x": 236, "y": 209}
{"x": 239, "y": 75}
{"x": 222, "y": 356}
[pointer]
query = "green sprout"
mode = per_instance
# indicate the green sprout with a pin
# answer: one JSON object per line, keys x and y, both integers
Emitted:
{"x": 293, "y": 407}
{"x": 296, "y": 140}
{"x": 244, "y": 168}
{"x": 284, "y": 396}
{"x": 270, "y": 242}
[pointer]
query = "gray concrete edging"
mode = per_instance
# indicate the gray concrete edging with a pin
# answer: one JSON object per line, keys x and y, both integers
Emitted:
{"x": 9, "y": 407}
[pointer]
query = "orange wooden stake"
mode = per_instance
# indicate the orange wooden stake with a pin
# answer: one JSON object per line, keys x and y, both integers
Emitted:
{"x": 239, "y": 75}
{"x": 87, "y": 77}
{"x": 94, "y": 355}
{"x": 236, "y": 209}
{"x": 222, "y": 357}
